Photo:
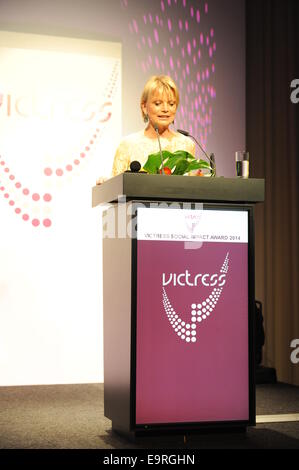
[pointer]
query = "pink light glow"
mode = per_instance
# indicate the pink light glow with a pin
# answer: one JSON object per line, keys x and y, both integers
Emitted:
{"x": 135, "y": 26}
{"x": 196, "y": 96}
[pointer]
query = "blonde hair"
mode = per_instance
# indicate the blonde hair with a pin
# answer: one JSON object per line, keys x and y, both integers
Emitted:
{"x": 159, "y": 82}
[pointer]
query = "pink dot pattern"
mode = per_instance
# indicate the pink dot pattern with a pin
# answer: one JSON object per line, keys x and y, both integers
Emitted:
{"x": 18, "y": 188}
{"x": 8, "y": 195}
{"x": 96, "y": 133}
{"x": 177, "y": 40}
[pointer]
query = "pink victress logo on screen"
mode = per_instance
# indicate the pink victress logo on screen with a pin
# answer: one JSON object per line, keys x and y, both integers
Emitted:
{"x": 201, "y": 309}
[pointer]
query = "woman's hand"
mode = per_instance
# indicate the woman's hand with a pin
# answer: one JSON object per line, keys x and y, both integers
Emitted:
{"x": 101, "y": 180}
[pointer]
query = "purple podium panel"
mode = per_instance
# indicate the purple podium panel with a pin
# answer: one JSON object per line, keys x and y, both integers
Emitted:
{"x": 192, "y": 336}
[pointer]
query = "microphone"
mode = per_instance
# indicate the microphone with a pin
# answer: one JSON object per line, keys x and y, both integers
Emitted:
{"x": 211, "y": 159}
{"x": 157, "y": 131}
{"x": 135, "y": 166}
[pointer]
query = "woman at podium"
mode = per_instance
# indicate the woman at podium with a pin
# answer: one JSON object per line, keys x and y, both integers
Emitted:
{"x": 159, "y": 103}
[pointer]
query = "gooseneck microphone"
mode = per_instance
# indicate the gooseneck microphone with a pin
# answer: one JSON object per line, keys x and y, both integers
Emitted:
{"x": 157, "y": 131}
{"x": 211, "y": 159}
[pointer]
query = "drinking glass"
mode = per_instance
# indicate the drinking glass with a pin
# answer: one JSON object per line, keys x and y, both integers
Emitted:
{"x": 242, "y": 164}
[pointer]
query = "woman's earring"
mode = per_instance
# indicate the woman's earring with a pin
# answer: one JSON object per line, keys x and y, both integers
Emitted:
{"x": 145, "y": 118}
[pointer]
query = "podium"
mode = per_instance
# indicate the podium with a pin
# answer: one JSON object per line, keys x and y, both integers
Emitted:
{"x": 178, "y": 302}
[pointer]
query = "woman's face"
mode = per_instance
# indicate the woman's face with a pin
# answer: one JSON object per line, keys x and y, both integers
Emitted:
{"x": 161, "y": 108}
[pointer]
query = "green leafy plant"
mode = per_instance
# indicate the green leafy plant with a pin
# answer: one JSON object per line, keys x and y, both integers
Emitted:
{"x": 179, "y": 162}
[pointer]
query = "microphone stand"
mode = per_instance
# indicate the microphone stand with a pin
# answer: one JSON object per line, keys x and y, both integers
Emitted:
{"x": 211, "y": 159}
{"x": 157, "y": 131}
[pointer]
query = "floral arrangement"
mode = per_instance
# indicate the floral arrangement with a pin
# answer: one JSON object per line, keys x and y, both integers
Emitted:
{"x": 176, "y": 163}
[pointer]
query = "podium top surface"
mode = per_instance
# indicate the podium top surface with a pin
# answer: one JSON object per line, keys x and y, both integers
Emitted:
{"x": 180, "y": 188}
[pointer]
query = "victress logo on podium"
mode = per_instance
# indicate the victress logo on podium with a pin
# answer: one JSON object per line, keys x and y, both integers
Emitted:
{"x": 200, "y": 309}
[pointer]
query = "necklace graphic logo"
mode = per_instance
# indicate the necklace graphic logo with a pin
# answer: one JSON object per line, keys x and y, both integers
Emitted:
{"x": 61, "y": 122}
{"x": 199, "y": 311}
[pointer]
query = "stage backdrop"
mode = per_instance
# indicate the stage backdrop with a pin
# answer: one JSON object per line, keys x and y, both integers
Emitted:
{"x": 70, "y": 84}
